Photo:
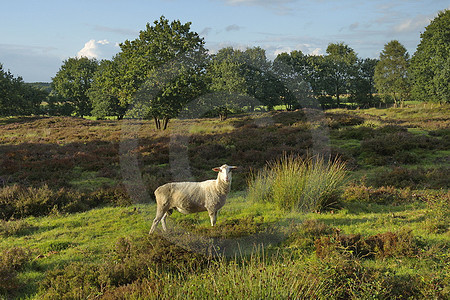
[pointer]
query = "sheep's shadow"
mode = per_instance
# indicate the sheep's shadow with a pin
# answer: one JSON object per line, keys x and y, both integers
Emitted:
{"x": 223, "y": 246}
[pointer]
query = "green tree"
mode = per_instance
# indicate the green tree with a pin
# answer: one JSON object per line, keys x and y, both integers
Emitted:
{"x": 73, "y": 82}
{"x": 290, "y": 70}
{"x": 430, "y": 65}
{"x": 391, "y": 72}
{"x": 340, "y": 68}
{"x": 170, "y": 88}
{"x": 227, "y": 86}
{"x": 17, "y": 97}
{"x": 105, "y": 90}
{"x": 163, "y": 68}
{"x": 363, "y": 86}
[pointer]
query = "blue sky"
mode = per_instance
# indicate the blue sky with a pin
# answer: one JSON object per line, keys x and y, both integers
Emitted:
{"x": 36, "y": 36}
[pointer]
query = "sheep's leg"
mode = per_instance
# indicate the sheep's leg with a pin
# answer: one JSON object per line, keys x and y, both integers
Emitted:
{"x": 163, "y": 221}
{"x": 159, "y": 215}
{"x": 213, "y": 217}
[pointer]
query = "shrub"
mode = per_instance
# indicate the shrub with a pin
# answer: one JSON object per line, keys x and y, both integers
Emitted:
{"x": 293, "y": 183}
{"x": 11, "y": 261}
{"x": 402, "y": 177}
{"x": 13, "y": 227}
{"x": 75, "y": 281}
{"x": 19, "y": 201}
{"x": 307, "y": 233}
{"x": 388, "y": 244}
{"x": 381, "y": 195}
{"x": 131, "y": 262}
{"x": 337, "y": 120}
{"x": 437, "y": 218}
{"x": 394, "y": 146}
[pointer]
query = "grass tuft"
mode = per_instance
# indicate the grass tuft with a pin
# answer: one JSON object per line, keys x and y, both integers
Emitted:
{"x": 294, "y": 183}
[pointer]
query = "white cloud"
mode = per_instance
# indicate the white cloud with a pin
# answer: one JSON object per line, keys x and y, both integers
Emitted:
{"x": 413, "y": 24}
{"x": 306, "y": 49}
{"x": 98, "y": 49}
{"x": 279, "y": 6}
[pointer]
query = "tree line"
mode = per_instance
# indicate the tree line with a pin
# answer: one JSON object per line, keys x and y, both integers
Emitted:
{"x": 166, "y": 72}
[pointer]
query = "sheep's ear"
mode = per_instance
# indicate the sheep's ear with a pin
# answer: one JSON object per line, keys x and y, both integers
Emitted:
{"x": 216, "y": 169}
{"x": 233, "y": 167}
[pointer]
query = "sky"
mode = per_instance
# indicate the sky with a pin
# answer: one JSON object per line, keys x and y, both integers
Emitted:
{"x": 37, "y": 36}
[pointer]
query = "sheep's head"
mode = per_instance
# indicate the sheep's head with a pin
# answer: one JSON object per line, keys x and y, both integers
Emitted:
{"x": 225, "y": 172}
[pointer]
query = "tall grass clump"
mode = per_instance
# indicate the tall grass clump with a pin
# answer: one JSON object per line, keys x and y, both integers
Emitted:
{"x": 294, "y": 183}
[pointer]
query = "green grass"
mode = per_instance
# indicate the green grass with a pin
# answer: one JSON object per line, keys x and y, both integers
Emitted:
{"x": 53, "y": 166}
{"x": 90, "y": 237}
{"x": 293, "y": 183}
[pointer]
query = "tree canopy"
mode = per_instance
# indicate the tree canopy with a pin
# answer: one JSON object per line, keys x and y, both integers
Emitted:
{"x": 73, "y": 82}
{"x": 430, "y": 65}
{"x": 391, "y": 72}
{"x": 166, "y": 72}
{"x": 18, "y": 98}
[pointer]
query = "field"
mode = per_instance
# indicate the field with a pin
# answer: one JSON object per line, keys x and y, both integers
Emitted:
{"x": 76, "y": 204}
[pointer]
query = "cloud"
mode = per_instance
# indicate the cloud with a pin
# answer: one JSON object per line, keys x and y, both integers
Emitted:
{"x": 233, "y": 27}
{"x": 122, "y": 31}
{"x": 306, "y": 49}
{"x": 98, "y": 49}
{"x": 353, "y": 26}
{"x": 279, "y": 6}
{"x": 413, "y": 24}
{"x": 205, "y": 31}
{"x": 31, "y": 63}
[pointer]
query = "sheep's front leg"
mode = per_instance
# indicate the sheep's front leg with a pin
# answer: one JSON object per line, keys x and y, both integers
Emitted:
{"x": 213, "y": 217}
{"x": 159, "y": 215}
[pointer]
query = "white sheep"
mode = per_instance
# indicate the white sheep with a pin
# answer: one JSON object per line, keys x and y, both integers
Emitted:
{"x": 191, "y": 197}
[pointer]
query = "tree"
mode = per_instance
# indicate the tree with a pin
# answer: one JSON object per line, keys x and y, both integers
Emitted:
{"x": 430, "y": 65}
{"x": 339, "y": 66}
{"x": 227, "y": 84}
{"x": 156, "y": 67}
{"x": 391, "y": 72}
{"x": 73, "y": 82}
{"x": 104, "y": 91}
{"x": 170, "y": 88}
{"x": 290, "y": 70}
{"x": 18, "y": 98}
{"x": 363, "y": 86}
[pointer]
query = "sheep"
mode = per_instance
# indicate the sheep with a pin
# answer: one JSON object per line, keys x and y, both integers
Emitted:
{"x": 191, "y": 197}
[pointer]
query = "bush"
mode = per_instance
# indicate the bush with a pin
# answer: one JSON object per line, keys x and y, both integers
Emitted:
{"x": 388, "y": 244}
{"x": 402, "y": 177}
{"x": 133, "y": 260}
{"x": 437, "y": 218}
{"x": 11, "y": 261}
{"x": 19, "y": 201}
{"x": 307, "y": 233}
{"x": 13, "y": 227}
{"x": 293, "y": 183}
{"x": 381, "y": 195}
{"x": 395, "y": 145}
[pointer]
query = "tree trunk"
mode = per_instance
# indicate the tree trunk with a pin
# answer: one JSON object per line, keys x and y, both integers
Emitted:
{"x": 157, "y": 123}
{"x": 165, "y": 123}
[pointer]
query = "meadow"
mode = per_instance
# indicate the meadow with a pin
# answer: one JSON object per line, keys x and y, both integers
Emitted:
{"x": 76, "y": 204}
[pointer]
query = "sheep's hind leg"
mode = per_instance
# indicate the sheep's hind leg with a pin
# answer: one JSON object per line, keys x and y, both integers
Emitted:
{"x": 163, "y": 219}
{"x": 159, "y": 215}
{"x": 213, "y": 217}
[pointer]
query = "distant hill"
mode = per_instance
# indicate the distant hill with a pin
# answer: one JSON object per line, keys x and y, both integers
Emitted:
{"x": 44, "y": 86}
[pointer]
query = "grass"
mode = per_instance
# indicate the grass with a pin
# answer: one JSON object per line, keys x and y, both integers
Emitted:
{"x": 71, "y": 230}
{"x": 91, "y": 238}
{"x": 293, "y": 183}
